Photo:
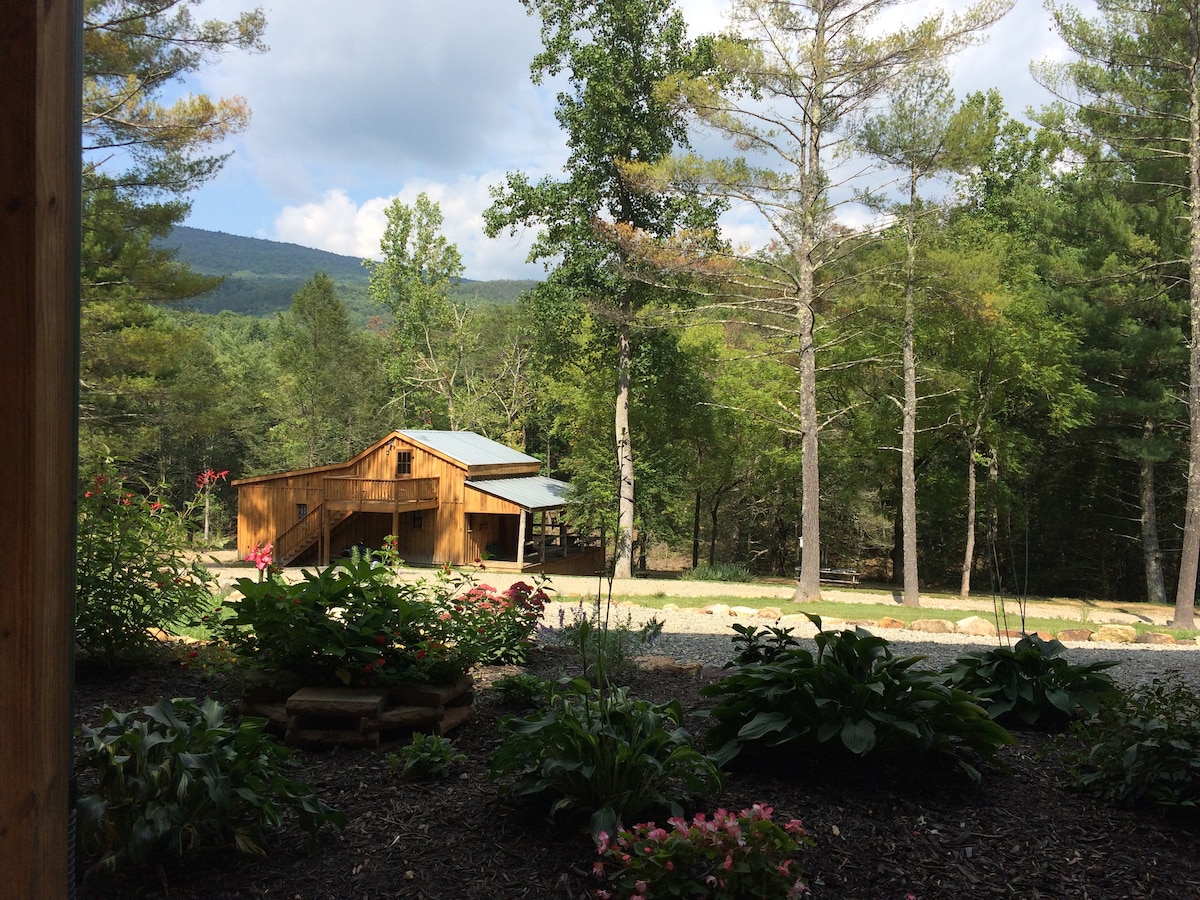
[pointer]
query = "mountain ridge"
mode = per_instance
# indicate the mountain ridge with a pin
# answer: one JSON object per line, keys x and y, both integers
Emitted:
{"x": 262, "y": 275}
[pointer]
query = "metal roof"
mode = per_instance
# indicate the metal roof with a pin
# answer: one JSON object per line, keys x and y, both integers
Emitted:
{"x": 469, "y": 448}
{"x": 531, "y": 492}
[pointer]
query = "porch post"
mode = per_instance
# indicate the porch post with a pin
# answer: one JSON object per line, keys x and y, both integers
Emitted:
{"x": 521, "y": 540}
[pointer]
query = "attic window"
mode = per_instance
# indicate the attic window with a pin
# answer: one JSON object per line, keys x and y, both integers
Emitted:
{"x": 403, "y": 463}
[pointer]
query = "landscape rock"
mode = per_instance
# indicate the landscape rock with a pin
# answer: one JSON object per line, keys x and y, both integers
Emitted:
{"x": 1154, "y": 637}
{"x": 743, "y": 611}
{"x": 770, "y": 612}
{"x": 1080, "y": 635}
{"x": 933, "y": 626}
{"x": 892, "y": 622}
{"x": 667, "y": 665}
{"x": 976, "y": 625}
{"x": 717, "y": 609}
{"x": 1117, "y": 634}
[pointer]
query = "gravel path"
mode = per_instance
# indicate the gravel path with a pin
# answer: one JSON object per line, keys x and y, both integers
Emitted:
{"x": 690, "y": 636}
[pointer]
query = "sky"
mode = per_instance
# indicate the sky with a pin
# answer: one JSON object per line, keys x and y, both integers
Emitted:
{"x": 356, "y": 105}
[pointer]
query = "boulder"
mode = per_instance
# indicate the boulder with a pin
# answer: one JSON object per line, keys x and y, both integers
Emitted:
{"x": 932, "y": 626}
{"x": 770, "y": 612}
{"x": 1117, "y": 634}
{"x": 1154, "y": 637}
{"x": 976, "y": 625}
{"x": 892, "y": 622}
{"x": 1078, "y": 635}
{"x": 717, "y": 609}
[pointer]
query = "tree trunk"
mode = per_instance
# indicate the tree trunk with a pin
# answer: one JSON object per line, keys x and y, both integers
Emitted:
{"x": 968, "y": 566}
{"x": 696, "y": 533}
{"x": 908, "y": 475}
{"x": 623, "y": 546}
{"x": 1151, "y": 548}
{"x": 712, "y": 537}
{"x": 1185, "y": 594}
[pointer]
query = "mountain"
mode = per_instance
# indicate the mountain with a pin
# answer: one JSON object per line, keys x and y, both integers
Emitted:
{"x": 262, "y": 276}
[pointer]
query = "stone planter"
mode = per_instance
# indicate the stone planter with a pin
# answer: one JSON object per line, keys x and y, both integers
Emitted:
{"x": 364, "y": 717}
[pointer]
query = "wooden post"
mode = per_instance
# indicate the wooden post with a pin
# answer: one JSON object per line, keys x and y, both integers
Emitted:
{"x": 39, "y": 287}
{"x": 521, "y": 539}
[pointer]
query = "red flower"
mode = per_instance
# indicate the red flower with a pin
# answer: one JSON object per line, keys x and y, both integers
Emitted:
{"x": 380, "y": 639}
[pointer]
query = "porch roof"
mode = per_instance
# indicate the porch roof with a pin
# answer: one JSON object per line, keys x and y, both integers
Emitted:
{"x": 531, "y": 492}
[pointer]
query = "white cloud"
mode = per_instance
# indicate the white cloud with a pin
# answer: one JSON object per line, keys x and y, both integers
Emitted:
{"x": 337, "y": 223}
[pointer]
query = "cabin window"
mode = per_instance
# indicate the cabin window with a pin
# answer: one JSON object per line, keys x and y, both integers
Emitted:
{"x": 417, "y": 519}
{"x": 301, "y": 511}
{"x": 403, "y": 463}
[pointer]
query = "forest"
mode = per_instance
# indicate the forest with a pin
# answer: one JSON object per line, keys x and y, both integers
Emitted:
{"x": 994, "y": 387}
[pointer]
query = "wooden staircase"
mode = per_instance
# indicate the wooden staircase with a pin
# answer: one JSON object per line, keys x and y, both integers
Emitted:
{"x": 305, "y": 534}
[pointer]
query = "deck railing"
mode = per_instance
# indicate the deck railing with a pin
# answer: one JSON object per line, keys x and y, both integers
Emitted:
{"x": 346, "y": 489}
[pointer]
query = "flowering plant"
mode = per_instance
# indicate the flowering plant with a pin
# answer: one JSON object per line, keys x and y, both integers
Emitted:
{"x": 263, "y": 559}
{"x": 743, "y": 856}
{"x": 503, "y": 620}
{"x": 132, "y": 572}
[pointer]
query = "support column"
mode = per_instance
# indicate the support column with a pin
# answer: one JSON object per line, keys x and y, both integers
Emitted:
{"x": 39, "y": 271}
{"x": 521, "y": 540}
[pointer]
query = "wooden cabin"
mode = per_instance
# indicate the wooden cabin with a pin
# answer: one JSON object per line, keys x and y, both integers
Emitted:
{"x": 447, "y": 496}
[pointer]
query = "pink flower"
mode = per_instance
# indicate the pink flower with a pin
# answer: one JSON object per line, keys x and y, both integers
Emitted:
{"x": 598, "y": 869}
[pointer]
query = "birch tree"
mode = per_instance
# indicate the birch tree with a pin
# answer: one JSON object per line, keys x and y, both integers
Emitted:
{"x": 612, "y": 54}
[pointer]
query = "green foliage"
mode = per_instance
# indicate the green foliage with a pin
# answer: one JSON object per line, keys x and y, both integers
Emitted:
{"x": 854, "y": 698}
{"x": 523, "y": 689}
{"x": 606, "y": 648}
{"x": 426, "y": 756}
{"x": 1142, "y": 748}
{"x": 753, "y": 644}
{"x": 350, "y": 624}
{"x": 1032, "y": 682}
{"x": 132, "y": 571}
{"x": 718, "y": 572}
{"x": 181, "y": 778}
{"x": 606, "y": 755}
{"x": 743, "y": 856}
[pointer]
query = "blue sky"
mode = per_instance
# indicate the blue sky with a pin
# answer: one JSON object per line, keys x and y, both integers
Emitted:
{"x": 355, "y": 104}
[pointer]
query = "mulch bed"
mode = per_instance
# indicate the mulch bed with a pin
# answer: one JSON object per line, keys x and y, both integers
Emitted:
{"x": 923, "y": 833}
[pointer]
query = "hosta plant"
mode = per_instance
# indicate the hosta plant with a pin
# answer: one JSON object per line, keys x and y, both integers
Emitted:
{"x": 852, "y": 698}
{"x": 607, "y": 755}
{"x": 742, "y": 856}
{"x": 1142, "y": 748}
{"x": 1032, "y": 682}
{"x": 181, "y": 777}
{"x": 753, "y": 644}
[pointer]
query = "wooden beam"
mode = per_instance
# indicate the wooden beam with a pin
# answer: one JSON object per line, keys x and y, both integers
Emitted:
{"x": 39, "y": 283}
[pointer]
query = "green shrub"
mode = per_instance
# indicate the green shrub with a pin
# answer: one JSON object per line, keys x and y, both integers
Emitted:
{"x": 349, "y": 624}
{"x": 609, "y": 756}
{"x": 1142, "y": 748}
{"x": 132, "y": 572}
{"x": 179, "y": 779}
{"x": 356, "y": 624}
{"x": 426, "y": 756}
{"x": 733, "y": 857}
{"x": 1032, "y": 682}
{"x": 734, "y": 572}
{"x": 854, "y": 698}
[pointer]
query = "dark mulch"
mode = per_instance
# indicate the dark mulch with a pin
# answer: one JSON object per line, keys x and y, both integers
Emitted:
{"x": 925, "y": 834}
